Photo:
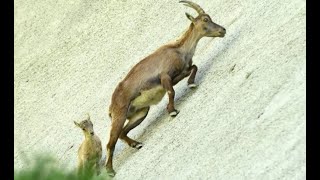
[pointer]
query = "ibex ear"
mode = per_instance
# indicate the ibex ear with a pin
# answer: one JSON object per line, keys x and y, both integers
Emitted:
{"x": 77, "y": 124}
{"x": 190, "y": 17}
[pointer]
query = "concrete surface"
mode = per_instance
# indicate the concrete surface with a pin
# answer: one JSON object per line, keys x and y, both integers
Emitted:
{"x": 246, "y": 119}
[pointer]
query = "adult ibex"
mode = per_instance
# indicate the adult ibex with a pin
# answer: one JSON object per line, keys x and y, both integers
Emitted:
{"x": 152, "y": 77}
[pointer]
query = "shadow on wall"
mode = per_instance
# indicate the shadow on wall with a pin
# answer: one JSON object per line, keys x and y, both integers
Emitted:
{"x": 230, "y": 41}
{"x": 207, "y": 65}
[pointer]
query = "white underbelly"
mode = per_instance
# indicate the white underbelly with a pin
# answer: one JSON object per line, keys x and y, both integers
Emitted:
{"x": 149, "y": 97}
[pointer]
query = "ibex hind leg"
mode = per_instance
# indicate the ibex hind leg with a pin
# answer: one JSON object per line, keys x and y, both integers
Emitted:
{"x": 134, "y": 121}
{"x": 116, "y": 127}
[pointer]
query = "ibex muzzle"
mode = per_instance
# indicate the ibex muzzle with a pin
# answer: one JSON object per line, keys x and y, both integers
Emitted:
{"x": 154, "y": 77}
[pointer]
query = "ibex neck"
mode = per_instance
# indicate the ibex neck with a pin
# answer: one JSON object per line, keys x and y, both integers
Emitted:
{"x": 189, "y": 40}
{"x": 88, "y": 137}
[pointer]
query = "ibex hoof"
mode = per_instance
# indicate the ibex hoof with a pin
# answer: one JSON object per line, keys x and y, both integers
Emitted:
{"x": 174, "y": 113}
{"x": 137, "y": 145}
{"x": 192, "y": 85}
{"x": 111, "y": 172}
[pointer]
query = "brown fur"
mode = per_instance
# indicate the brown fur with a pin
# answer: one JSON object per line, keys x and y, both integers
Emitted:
{"x": 147, "y": 82}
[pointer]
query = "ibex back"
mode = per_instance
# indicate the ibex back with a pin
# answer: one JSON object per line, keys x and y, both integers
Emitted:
{"x": 149, "y": 80}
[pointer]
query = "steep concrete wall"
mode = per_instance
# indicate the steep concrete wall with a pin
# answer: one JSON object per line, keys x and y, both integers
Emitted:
{"x": 246, "y": 119}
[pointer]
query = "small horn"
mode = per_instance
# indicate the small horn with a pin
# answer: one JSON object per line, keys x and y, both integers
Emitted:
{"x": 88, "y": 116}
{"x": 194, "y": 6}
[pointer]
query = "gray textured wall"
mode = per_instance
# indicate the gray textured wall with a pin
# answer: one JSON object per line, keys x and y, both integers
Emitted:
{"x": 245, "y": 123}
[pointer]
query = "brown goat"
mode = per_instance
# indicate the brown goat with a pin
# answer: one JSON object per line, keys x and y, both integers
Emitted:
{"x": 152, "y": 77}
{"x": 90, "y": 151}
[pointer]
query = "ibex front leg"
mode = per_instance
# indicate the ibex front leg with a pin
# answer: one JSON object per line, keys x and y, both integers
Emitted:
{"x": 167, "y": 84}
{"x": 193, "y": 71}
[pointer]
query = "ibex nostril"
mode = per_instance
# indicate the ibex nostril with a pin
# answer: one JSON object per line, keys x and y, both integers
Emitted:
{"x": 92, "y": 133}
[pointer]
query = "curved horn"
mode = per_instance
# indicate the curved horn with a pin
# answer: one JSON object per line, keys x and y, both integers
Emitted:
{"x": 194, "y": 6}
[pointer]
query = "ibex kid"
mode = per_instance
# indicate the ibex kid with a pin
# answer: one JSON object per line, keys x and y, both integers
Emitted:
{"x": 90, "y": 151}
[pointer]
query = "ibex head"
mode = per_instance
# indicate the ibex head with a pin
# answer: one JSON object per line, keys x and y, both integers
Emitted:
{"x": 86, "y": 126}
{"x": 203, "y": 22}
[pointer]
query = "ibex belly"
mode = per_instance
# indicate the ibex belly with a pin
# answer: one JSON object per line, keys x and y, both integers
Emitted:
{"x": 149, "y": 97}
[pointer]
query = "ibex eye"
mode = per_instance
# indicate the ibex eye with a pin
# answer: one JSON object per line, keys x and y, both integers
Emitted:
{"x": 83, "y": 129}
{"x": 205, "y": 19}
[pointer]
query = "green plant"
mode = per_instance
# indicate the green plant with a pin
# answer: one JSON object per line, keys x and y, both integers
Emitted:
{"x": 46, "y": 168}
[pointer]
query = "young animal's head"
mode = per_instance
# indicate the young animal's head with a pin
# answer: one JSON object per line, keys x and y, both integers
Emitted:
{"x": 86, "y": 126}
{"x": 203, "y": 23}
